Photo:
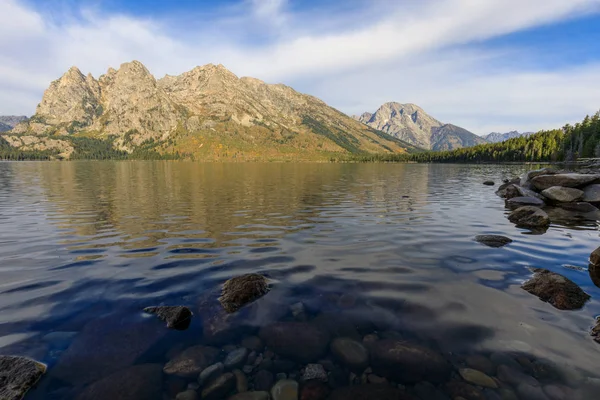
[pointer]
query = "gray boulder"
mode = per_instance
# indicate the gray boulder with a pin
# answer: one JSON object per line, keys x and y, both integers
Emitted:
{"x": 572, "y": 180}
{"x": 18, "y": 375}
{"x": 562, "y": 194}
{"x": 529, "y": 217}
{"x": 529, "y": 175}
{"x": 591, "y": 193}
{"x": 517, "y": 202}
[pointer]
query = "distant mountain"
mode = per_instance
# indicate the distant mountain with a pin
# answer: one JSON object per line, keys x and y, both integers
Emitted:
{"x": 7, "y": 122}
{"x": 411, "y": 124}
{"x": 497, "y": 137}
{"x": 207, "y": 112}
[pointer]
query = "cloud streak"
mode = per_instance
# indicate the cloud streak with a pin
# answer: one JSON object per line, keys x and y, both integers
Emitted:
{"x": 427, "y": 53}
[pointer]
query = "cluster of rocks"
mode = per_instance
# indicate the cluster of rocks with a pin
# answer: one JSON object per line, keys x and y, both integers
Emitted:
{"x": 536, "y": 194}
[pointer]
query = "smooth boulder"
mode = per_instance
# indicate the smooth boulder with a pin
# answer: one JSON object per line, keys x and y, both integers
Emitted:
{"x": 493, "y": 240}
{"x": 529, "y": 217}
{"x": 176, "y": 317}
{"x": 18, "y": 375}
{"x": 562, "y": 194}
{"x": 241, "y": 290}
{"x": 350, "y": 353}
{"x": 572, "y": 180}
{"x": 526, "y": 177}
{"x": 219, "y": 388}
{"x": 251, "y": 396}
{"x": 408, "y": 362}
{"x": 556, "y": 289}
{"x": 285, "y": 389}
{"x": 591, "y": 193}
{"x": 300, "y": 341}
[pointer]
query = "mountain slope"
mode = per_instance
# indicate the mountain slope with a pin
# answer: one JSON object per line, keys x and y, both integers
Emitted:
{"x": 7, "y": 122}
{"x": 497, "y": 137}
{"x": 208, "y": 112}
{"x": 410, "y": 123}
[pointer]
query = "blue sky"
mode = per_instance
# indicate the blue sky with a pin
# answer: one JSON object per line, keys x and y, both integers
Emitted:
{"x": 493, "y": 65}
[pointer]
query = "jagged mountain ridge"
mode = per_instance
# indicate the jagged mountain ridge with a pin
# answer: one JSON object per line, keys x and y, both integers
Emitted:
{"x": 7, "y": 122}
{"x": 497, "y": 137}
{"x": 206, "y": 109}
{"x": 412, "y": 124}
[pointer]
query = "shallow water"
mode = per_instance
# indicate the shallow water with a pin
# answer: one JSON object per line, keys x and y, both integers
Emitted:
{"x": 84, "y": 246}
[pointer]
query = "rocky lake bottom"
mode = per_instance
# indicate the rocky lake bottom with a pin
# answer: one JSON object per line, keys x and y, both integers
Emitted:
{"x": 378, "y": 282}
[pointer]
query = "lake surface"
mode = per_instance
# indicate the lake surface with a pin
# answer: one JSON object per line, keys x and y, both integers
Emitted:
{"x": 366, "y": 249}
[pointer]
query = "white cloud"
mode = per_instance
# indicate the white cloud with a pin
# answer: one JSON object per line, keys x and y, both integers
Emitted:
{"x": 356, "y": 59}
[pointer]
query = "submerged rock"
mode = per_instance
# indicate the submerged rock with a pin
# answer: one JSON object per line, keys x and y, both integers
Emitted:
{"x": 572, "y": 180}
{"x": 521, "y": 201}
{"x": 493, "y": 240}
{"x": 529, "y": 217}
{"x": 220, "y": 387}
{"x": 136, "y": 382}
{"x": 242, "y": 290}
{"x": 285, "y": 389}
{"x": 191, "y": 361}
{"x": 314, "y": 372}
{"x": 177, "y": 317}
{"x": 370, "y": 392}
{"x": 556, "y": 289}
{"x": 408, "y": 362}
{"x": 562, "y": 194}
{"x": 300, "y": 341}
{"x": 18, "y": 375}
{"x": 477, "y": 378}
{"x": 580, "y": 207}
{"x": 465, "y": 391}
{"x": 236, "y": 358}
{"x": 251, "y": 396}
{"x": 350, "y": 353}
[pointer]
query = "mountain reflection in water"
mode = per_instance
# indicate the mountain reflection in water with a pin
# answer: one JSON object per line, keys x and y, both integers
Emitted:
{"x": 365, "y": 248}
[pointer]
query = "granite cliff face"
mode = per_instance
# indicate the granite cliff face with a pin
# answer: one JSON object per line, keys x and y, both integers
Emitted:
{"x": 410, "y": 123}
{"x": 207, "y": 111}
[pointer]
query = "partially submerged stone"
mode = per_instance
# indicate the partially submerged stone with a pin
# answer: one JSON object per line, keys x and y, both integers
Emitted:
{"x": 571, "y": 180}
{"x": 489, "y": 183}
{"x": 580, "y": 207}
{"x": 508, "y": 191}
{"x": 521, "y": 201}
{"x": 241, "y": 290}
{"x": 493, "y": 240}
{"x": 176, "y": 317}
{"x": 556, "y": 289}
{"x": 529, "y": 217}
{"x": 595, "y": 257}
{"x": 18, "y": 375}
{"x": 562, "y": 194}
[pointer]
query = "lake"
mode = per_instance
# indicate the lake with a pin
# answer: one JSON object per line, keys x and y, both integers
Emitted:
{"x": 373, "y": 252}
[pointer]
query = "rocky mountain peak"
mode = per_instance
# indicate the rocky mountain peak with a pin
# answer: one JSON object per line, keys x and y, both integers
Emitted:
{"x": 409, "y": 122}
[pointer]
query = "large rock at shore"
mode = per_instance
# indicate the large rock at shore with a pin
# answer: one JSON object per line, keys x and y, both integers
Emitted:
{"x": 508, "y": 191}
{"x": 190, "y": 362}
{"x": 370, "y": 392}
{"x": 579, "y": 207}
{"x": 242, "y": 290}
{"x": 529, "y": 175}
{"x": 596, "y": 331}
{"x": 517, "y": 202}
{"x": 137, "y": 382}
{"x": 556, "y": 289}
{"x": 18, "y": 375}
{"x": 300, "y": 341}
{"x": 524, "y": 192}
{"x": 408, "y": 362}
{"x": 529, "y": 217}
{"x": 543, "y": 182}
{"x": 595, "y": 257}
{"x": 176, "y": 317}
{"x": 591, "y": 193}
{"x": 562, "y": 194}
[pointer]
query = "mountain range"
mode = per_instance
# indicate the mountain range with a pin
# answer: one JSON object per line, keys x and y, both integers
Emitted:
{"x": 411, "y": 124}
{"x": 207, "y": 112}
{"x": 7, "y": 122}
{"x": 497, "y": 137}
